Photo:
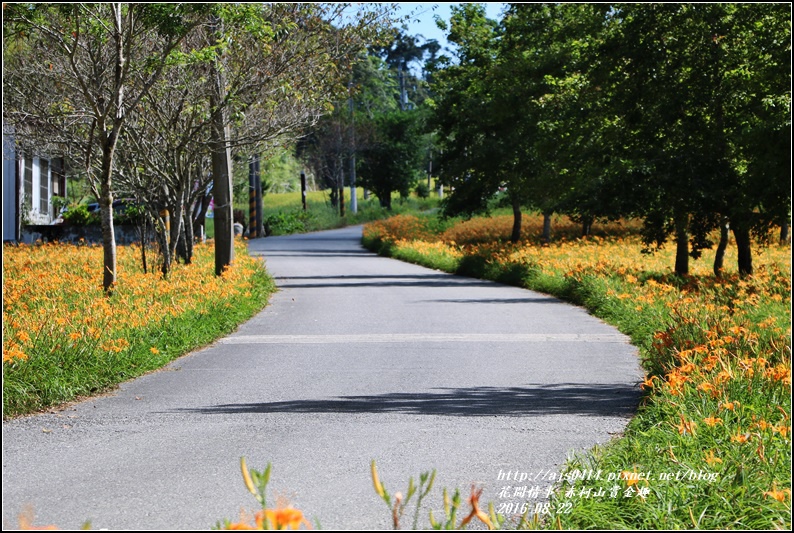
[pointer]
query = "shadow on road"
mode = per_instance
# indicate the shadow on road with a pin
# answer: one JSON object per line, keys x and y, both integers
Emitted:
{"x": 333, "y": 252}
{"x": 541, "y": 300}
{"x": 445, "y": 280}
{"x": 535, "y": 400}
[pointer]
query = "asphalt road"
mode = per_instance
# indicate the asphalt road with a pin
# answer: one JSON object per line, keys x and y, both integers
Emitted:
{"x": 358, "y": 357}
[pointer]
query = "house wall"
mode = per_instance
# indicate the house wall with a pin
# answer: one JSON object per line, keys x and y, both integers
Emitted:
{"x": 10, "y": 198}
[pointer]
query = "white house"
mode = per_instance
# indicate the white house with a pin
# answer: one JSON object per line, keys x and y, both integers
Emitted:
{"x": 29, "y": 184}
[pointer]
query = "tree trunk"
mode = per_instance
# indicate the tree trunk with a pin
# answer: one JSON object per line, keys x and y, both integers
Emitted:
{"x": 741, "y": 232}
{"x": 546, "y": 237}
{"x": 515, "y": 235}
{"x": 221, "y": 175}
{"x": 587, "y": 226}
{"x": 142, "y": 230}
{"x": 682, "y": 245}
{"x": 222, "y": 186}
{"x": 723, "y": 244}
{"x": 162, "y": 239}
{"x": 181, "y": 243}
{"x": 188, "y": 234}
{"x": 334, "y": 197}
{"x": 784, "y": 233}
{"x": 108, "y": 233}
{"x": 384, "y": 197}
{"x": 177, "y": 216}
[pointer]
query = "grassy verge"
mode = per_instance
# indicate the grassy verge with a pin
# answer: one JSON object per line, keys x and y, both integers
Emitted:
{"x": 284, "y": 214}
{"x": 710, "y": 447}
{"x": 63, "y": 339}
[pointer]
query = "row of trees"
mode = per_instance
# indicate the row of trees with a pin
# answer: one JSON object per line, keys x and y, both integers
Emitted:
{"x": 152, "y": 99}
{"x": 379, "y": 132}
{"x": 676, "y": 113}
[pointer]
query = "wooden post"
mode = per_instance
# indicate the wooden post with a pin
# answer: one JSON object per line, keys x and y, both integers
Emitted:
{"x": 303, "y": 189}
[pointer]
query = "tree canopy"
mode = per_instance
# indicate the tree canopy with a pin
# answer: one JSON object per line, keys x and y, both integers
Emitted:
{"x": 675, "y": 113}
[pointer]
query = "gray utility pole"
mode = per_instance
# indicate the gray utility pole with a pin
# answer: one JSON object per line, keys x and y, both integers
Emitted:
{"x": 403, "y": 93}
{"x": 254, "y": 198}
{"x": 353, "y": 196}
{"x": 429, "y": 169}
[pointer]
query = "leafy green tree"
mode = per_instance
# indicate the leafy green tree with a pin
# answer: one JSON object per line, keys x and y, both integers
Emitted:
{"x": 392, "y": 157}
{"x": 695, "y": 87}
{"x": 473, "y": 157}
{"x": 752, "y": 52}
{"x": 502, "y": 109}
{"x": 361, "y": 126}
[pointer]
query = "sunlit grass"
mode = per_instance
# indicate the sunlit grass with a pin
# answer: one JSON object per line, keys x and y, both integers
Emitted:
{"x": 283, "y": 213}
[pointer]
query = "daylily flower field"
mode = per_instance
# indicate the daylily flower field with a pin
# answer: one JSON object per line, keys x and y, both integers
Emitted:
{"x": 713, "y": 434}
{"x": 63, "y": 338}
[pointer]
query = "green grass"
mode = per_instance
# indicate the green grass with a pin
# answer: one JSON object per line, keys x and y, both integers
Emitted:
{"x": 284, "y": 212}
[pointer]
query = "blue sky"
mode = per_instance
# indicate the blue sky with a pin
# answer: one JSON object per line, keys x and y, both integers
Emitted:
{"x": 423, "y": 23}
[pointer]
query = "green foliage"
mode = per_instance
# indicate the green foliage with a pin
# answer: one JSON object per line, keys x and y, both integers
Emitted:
{"x": 58, "y": 203}
{"x": 78, "y": 215}
{"x": 676, "y": 113}
{"x": 281, "y": 171}
{"x": 285, "y": 223}
{"x": 422, "y": 190}
{"x": 401, "y": 501}
{"x": 391, "y": 162}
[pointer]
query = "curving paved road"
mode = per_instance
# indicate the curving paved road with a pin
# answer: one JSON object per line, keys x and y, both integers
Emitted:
{"x": 357, "y": 357}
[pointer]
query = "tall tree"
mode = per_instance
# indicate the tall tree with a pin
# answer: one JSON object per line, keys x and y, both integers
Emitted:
{"x": 473, "y": 141}
{"x": 392, "y": 157}
{"x": 696, "y": 88}
{"x": 751, "y": 47}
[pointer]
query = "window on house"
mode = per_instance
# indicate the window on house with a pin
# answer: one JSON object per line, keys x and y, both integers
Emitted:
{"x": 44, "y": 186}
{"x": 28, "y": 179}
{"x": 56, "y": 169}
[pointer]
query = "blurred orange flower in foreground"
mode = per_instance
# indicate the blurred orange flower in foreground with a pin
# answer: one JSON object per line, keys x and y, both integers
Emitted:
{"x": 283, "y": 518}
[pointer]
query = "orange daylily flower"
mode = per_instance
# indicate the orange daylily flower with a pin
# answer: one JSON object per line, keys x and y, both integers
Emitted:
{"x": 779, "y": 495}
{"x": 686, "y": 427}
{"x": 282, "y": 518}
{"x": 711, "y": 459}
{"x": 730, "y": 405}
{"x": 474, "y": 500}
{"x": 648, "y": 383}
